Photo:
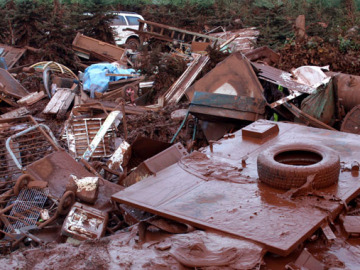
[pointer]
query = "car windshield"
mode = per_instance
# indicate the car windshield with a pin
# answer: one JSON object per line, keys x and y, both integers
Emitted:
{"x": 132, "y": 20}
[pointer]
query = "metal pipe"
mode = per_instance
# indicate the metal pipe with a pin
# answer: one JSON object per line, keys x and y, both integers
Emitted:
{"x": 181, "y": 126}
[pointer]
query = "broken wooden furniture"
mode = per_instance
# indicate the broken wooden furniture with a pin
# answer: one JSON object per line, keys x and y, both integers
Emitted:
{"x": 168, "y": 33}
{"x": 182, "y": 85}
{"x": 178, "y": 89}
{"x": 31, "y": 98}
{"x": 233, "y": 76}
{"x": 81, "y": 129}
{"x": 245, "y": 39}
{"x": 11, "y": 54}
{"x": 86, "y": 47}
{"x": 206, "y": 105}
{"x": 102, "y": 131}
{"x": 10, "y": 89}
{"x": 61, "y": 101}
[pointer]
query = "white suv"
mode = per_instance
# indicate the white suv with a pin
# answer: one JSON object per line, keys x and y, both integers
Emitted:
{"x": 124, "y": 20}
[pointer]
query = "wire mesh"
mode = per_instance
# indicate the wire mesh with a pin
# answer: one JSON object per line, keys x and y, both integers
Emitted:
{"x": 26, "y": 209}
{"x": 8, "y": 169}
{"x": 27, "y": 148}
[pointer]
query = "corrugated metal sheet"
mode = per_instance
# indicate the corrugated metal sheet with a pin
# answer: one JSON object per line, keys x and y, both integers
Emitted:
{"x": 282, "y": 78}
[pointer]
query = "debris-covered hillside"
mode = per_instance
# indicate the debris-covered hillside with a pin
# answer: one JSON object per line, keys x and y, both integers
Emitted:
{"x": 179, "y": 134}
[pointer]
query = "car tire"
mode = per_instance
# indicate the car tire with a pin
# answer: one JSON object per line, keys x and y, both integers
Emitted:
{"x": 286, "y": 166}
{"x": 133, "y": 43}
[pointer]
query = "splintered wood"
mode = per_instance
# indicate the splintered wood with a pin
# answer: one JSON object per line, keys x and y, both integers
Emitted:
{"x": 60, "y": 102}
{"x": 31, "y": 98}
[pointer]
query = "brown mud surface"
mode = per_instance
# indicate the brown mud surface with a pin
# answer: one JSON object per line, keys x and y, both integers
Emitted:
{"x": 120, "y": 251}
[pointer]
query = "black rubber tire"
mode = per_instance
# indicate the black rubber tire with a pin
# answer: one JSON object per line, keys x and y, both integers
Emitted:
{"x": 66, "y": 202}
{"x": 284, "y": 176}
{"x": 133, "y": 43}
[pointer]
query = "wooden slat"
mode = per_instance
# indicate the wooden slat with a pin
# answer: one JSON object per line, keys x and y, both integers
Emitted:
{"x": 61, "y": 98}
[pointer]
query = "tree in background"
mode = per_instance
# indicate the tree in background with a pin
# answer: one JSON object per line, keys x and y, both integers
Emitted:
{"x": 27, "y": 22}
{"x": 6, "y": 29}
{"x": 59, "y": 34}
{"x": 350, "y": 7}
{"x": 93, "y": 20}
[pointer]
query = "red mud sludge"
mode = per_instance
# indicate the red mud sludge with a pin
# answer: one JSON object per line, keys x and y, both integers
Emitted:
{"x": 287, "y": 166}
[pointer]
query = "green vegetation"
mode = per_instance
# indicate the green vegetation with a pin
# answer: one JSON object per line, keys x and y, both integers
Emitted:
{"x": 205, "y": 3}
{"x": 274, "y": 17}
{"x": 52, "y": 24}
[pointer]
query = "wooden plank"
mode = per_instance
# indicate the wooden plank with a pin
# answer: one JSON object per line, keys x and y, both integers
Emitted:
{"x": 10, "y": 86}
{"x": 90, "y": 45}
{"x": 66, "y": 104}
{"x": 122, "y": 75}
{"x": 178, "y": 89}
{"x": 58, "y": 101}
{"x": 183, "y": 31}
{"x": 54, "y": 100}
{"x": 285, "y": 99}
{"x": 113, "y": 95}
{"x": 111, "y": 106}
{"x": 65, "y": 107}
{"x": 119, "y": 83}
{"x": 32, "y": 98}
{"x": 15, "y": 113}
{"x": 65, "y": 95}
{"x": 11, "y": 54}
{"x": 304, "y": 117}
{"x": 8, "y": 100}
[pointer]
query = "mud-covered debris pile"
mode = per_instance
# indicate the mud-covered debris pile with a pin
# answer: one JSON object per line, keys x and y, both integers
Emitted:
{"x": 178, "y": 149}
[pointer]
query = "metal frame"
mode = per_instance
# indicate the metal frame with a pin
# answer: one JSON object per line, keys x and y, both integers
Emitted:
{"x": 78, "y": 135}
{"x": 53, "y": 141}
{"x": 26, "y": 209}
{"x": 29, "y": 150}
